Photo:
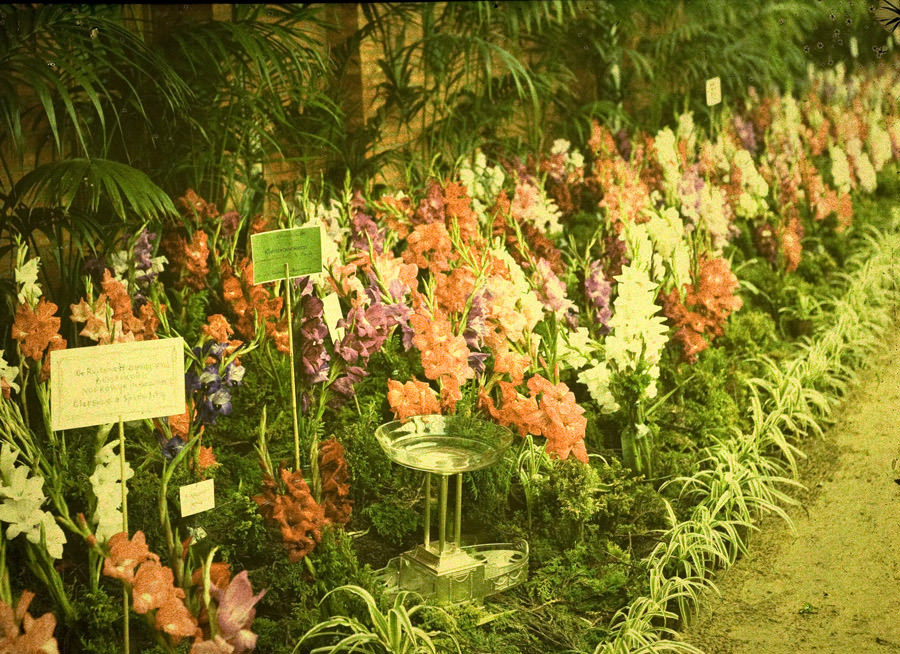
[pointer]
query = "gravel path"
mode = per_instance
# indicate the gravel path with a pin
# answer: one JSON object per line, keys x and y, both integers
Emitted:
{"x": 834, "y": 586}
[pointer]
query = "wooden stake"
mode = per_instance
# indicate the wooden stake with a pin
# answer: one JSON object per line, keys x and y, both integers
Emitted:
{"x": 290, "y": 326}
{"x": 125, "y": 606}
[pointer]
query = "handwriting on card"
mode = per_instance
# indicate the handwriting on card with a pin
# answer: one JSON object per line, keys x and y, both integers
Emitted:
{"x": 124, "y": 381}
{"x": 300, "y": 248}
{"x": 197, "y": 498}
{"x": 713, "y": 91}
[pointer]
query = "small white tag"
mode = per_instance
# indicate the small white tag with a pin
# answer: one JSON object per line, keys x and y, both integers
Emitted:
{"x": 331, "y": 312}
{"x": 854, "y": 47}
{"x": 197, "y": 498}
{"x": 713, "y": 91}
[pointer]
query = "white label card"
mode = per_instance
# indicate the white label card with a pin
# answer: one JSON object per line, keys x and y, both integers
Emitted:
{"x": 122, "y": 381}
{"x": 197, "y": 498}
{"x": 331, "y": 311}
{"x": 713, "y": 91}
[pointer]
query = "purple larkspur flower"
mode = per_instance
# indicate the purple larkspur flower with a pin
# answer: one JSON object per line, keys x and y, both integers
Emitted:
{"x": 598, "y": 290}
{"x": 314, "y": 358}
{"x": 143, "y": 250}
{"x": 746, "y": 133}
{"x": 343, "y": 386}
{"x": 366, "y": 234}
{"x": 95, "y": 267}
{"x": 552, "y": 291}
{"x": 477, "y": 362}
{"x": 231, "y": 220}
{"x": 689, "y": 190}
{"x": 171, "y": 447}
{"x": 210, "y": 389}
{"x": 431, "y": 207}
{"x": 623, "y": 144}
{"x": 476, "y": 323}
{"x": 615, "y": 252}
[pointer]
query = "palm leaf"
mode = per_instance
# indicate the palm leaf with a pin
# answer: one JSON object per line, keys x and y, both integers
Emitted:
{"x": 88, "y": 182}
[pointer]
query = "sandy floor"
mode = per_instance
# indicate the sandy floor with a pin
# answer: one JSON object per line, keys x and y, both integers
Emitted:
{"x": 834, "y": 587}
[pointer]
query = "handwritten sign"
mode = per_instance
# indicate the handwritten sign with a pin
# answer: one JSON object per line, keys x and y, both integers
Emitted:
{"x": 123, "y": 381}
{"x": 331, "y": 311}
{"x": 713, "y": 91}
{"x": 197, "y": 498}
{"x": 299, "y": 247}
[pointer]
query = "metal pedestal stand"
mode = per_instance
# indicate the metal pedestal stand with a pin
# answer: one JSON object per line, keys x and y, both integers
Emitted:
{"x": 445, "y": 571}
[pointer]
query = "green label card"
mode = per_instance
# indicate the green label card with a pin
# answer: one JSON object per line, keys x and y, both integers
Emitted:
{"x": 123, "y": 381}
{"x": 298, "y": 247}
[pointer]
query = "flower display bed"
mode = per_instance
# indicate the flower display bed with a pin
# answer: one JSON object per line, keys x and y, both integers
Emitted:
{"x": 659, "y": 319}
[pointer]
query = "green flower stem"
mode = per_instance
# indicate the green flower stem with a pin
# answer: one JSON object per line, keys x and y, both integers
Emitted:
{"x": 5, "y": 590}
{"x": 40, "y": 563}
{"x": 172, "y": 543}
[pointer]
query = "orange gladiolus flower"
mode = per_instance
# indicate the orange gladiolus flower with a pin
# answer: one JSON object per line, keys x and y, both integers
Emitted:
{"x": 125, "y": 555}
{"x": 34, "y": 329}
{"x": 453, "y": 291}
{"x": 219, "y": 575}
{"x": 152, "y": 586}
{"x": 217, "y": 328}
{"x": 429, "y": 246}
{"x": 414, "y": 398}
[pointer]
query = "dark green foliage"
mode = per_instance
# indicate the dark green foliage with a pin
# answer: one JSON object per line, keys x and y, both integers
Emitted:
{"x": 706, "y": 404}
{"x": 239, "y": 530}
{"x": 569, "y": 500}
{"x": 294, "y": 598}
{"x": 394, "y": 518}
{"x": 749, "y": 332}
{"x": 143, "y": 505}
{"x": 582, "y": 503}
{"x": 591, "y": 578}
{"x": 100, "y": 618}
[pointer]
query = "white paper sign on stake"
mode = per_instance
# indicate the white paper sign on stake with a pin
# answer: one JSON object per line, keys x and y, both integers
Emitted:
{"x": 123, "y": 381}
{"x": 713, "y": 91}
{"x": 331, "y": 312}
{"x": 197, "y": 498}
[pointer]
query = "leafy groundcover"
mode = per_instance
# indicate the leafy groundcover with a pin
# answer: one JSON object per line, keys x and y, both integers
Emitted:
{"x": 659, "y": 318}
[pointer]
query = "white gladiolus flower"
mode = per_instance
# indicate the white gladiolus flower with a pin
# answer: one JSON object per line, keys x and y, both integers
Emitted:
{"x": 879, "y": 143}
{"x": 712, "y": 216}
{"x": 482, "y": 182}
{"x": 106, "y": 483}
{"x": 686, "y": 130}
{"x": 865, "y": 172}
{"x": 575, "y": 348}
{"x": 27, "y": 279}
{"x": 22, "y": 497}
{"x": 667, "y": 155}
{"x": 597, "y": 378}
{"x": 8, "y": 373}
{"x": 639, "y": 333}
{"x": 666, "y": 230}
{"x": 840, "y": 170}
